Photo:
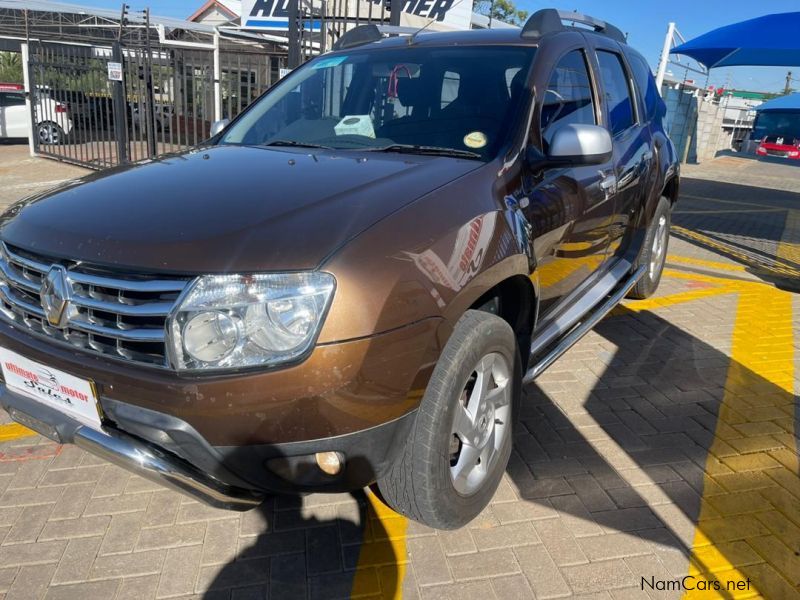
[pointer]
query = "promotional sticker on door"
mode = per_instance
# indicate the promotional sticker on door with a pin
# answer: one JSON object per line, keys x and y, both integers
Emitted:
{"x": 69, "y": 394}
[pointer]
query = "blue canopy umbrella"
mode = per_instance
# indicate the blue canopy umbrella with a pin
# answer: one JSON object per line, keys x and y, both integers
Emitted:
{"x": 771, "y": 40}
{"x": 790, "y": 102}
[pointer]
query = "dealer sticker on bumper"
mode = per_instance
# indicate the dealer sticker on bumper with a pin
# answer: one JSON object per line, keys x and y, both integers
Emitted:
{"x": 70, "y": 395}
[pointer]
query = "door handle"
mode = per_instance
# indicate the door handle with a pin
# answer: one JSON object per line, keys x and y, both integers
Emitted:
{"x": 608, "y": 183}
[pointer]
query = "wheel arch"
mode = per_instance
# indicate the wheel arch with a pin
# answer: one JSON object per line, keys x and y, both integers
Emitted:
{"x": 671, "y": 189}
{"x": 515, "y": 301}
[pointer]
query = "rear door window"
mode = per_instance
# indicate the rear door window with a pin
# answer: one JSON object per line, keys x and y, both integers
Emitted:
{"x": 9, "y": 99}
{"x": 616, "y": 91}
{"x": 646, "y": 84}
{"x": 568, "y": 99}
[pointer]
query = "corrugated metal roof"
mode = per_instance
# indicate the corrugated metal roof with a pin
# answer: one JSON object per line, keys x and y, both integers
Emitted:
{"x": 76, "y": 9}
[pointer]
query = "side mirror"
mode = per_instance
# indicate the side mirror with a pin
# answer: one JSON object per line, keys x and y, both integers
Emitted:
{"x": 574, "y": 145}
{"x": 218, "y": 126}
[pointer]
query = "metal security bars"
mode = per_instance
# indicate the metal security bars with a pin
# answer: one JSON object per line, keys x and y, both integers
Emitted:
{"x": 316, "y": 25}
{"x": 164, "y": 101}
{"x": 107, "y": 87}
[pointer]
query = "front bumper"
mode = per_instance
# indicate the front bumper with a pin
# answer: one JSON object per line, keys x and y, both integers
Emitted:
{"x": 128, "y": 452}
{"x": 228, "y": 440}
{"x": 170, "y": 452}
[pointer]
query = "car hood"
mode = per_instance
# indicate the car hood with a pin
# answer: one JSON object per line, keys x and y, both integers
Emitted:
{"x": 224, "y": 208}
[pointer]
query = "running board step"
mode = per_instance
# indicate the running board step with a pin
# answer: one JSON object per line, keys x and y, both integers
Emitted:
{"x": 582, "y": 328}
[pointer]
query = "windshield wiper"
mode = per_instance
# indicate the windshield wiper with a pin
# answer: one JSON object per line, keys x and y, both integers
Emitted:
{"x": 296, "y": 144}
{"x": 430, "y": 150}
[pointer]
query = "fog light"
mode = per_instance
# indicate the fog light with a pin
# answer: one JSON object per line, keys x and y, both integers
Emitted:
{"x": 329, "y": 462}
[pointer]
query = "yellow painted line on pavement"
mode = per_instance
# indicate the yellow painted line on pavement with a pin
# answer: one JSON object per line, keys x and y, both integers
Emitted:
{"x": 731, "y": 202}
{"x": 746, "y": 541}
{"x": 382, "y": 558}
{"x": 13, "y": 431}
{"x": 716, "y": 279}
{"x": 672, "y": 299}
{"x": 789, "y": 246}
{"x": 698, "y": 262}
{"x": 774, "y": 265}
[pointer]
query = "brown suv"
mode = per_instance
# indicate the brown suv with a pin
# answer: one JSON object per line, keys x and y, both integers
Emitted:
{"x": 351, "y": 282}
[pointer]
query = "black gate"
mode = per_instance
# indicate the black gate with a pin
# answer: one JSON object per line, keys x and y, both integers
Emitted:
{"x": 315, "y": 25}
{"x": 104, "y": 106}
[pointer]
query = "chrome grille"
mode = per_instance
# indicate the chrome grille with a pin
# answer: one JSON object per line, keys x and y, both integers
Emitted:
{"x": 122, "y": 316}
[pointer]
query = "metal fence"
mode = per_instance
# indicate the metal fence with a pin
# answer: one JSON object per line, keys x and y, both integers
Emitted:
{"x": 112, "y": 90}
{"x": 164, "y": 100}
{"x": 315, "y": 25}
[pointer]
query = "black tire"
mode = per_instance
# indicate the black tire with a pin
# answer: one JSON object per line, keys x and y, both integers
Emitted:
{"x": 654, "y": 266}
{"x": 419, "y": 483}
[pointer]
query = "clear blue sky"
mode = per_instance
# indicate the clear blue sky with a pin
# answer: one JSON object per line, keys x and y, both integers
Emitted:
{"x": 645, "y": 22}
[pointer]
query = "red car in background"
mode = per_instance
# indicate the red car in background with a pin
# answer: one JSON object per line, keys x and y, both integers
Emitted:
{"x": 779, "y": 145}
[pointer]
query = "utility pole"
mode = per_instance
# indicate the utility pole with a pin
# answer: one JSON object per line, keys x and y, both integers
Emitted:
{"x": 788, "y": 89}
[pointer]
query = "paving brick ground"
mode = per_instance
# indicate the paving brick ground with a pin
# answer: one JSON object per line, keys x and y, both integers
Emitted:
{"x": 663, "y": 445}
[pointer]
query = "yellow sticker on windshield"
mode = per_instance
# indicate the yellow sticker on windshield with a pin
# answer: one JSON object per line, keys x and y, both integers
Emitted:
{"x": 475, "y": 139}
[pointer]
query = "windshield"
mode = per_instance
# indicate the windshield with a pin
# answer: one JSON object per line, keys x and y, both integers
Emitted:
{"x": 777, "y": 124}
{"x": 457, "y": 99}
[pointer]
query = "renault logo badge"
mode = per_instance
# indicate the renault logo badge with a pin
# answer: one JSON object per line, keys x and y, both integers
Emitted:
{"x": 55, "y": 296}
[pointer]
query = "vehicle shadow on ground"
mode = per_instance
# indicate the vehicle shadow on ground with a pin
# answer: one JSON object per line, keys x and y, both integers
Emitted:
{"x": 743, "y": 223}
{"x": 643, "y": 430}
{"x": 311, "y": 552}
{"x": 645, "y": 454}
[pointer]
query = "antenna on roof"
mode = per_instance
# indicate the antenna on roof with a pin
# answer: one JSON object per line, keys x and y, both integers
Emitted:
{"x": 413, "y": 36}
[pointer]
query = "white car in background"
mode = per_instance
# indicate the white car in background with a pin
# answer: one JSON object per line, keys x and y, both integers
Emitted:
{"x": 53, "y": 123}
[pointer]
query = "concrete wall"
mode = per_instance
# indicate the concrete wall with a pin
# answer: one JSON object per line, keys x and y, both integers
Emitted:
{"x": 710, "y": 136}
{"x": 695, "y": 126}
{"x": 681, "y": 119}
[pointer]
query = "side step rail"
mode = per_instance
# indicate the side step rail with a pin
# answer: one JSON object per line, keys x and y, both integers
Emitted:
{"x": 582, "y": 328}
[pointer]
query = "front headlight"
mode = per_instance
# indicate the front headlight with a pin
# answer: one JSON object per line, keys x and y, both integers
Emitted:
{"x": 235, "y": 321}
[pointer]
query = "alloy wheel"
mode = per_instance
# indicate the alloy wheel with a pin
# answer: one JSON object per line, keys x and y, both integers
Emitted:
{"x": 659, "y": 246}
{"x": 482, "y": 423}
{"x": 48, "y": 133}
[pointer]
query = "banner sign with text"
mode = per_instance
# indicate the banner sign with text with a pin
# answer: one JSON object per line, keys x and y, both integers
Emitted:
{"x": 273, "y": 15}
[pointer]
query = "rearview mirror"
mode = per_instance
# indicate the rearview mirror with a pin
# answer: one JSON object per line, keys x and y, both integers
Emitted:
{"x": 574, "y": 145}
{"x": 218, "y": 126}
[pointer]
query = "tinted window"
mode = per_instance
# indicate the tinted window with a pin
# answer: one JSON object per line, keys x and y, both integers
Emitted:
{"x": 785, "y": 124}
{"x": 646, "y": 84}
{"x": 568, "y": 99}
{"x": 617, "y": 91}
{"x": 8, "y": 99}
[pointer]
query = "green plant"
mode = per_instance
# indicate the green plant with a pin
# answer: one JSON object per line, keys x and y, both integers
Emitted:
{"x": 10, "y": 67}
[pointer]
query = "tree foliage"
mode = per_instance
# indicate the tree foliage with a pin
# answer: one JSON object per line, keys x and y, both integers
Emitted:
{"x": 10, "y": 67}
{"x": 502, "y": 10}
